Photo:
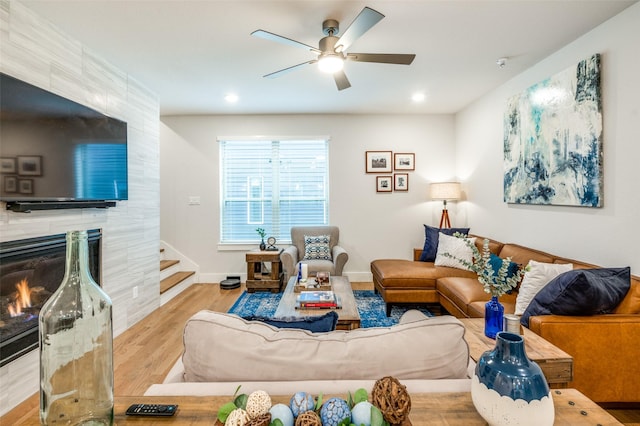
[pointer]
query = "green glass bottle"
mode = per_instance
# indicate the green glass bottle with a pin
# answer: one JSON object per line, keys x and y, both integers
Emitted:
{"x": 76, "y": 346}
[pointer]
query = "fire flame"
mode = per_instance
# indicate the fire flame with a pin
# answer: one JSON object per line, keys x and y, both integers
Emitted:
{"x": 23, "y": 298}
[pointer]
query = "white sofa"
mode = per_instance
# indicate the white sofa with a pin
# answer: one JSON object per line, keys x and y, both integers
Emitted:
{"x": 222, "y": 351}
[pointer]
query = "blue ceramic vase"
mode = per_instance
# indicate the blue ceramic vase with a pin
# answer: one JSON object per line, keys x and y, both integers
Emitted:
{"x": 493, "y": 317}
{"x": 510, "y": 389}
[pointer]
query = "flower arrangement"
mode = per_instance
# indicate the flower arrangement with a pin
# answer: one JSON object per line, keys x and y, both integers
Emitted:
{"x": 261, "y": 232}
{"x": 494, "y": 282}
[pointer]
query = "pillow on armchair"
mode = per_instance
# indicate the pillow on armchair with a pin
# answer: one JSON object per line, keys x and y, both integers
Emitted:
{"x": 316, "y": 247}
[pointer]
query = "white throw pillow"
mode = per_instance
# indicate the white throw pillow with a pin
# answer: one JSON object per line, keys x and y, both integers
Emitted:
{"x": 538, "y": 276}
{"x": 456, "y": 247}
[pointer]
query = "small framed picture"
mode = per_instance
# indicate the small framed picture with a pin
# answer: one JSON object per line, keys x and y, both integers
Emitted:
{"x": 404, "y": 161}
{"x": 378, "y": 161}
{"x": 25, "y": 186}
{"x": 7, "y": 165}
{"x": 10, "y": 184}
{"x": 30, "y": 165}
{"x": 401, "y": 182}
{"x": 384, "y": 183}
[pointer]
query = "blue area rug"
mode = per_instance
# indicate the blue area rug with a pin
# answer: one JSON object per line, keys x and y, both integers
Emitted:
{"x": 370, "y": 307}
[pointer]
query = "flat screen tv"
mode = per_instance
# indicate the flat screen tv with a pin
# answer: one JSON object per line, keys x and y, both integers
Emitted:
{"x": 56, "y": 153}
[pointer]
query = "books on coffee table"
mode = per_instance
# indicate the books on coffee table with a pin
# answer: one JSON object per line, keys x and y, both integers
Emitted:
{"x": 317, "y": 300}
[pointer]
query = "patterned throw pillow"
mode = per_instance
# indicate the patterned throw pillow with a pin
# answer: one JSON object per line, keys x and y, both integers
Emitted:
{"x": 316, "y": 247}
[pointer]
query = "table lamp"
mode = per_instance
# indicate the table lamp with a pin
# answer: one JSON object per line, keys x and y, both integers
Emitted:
{"x": 445, "y": 191}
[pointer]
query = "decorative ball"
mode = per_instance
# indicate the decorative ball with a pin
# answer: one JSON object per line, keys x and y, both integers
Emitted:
{"x": 361, "y": 413}
{"x": 282, "y": 412}
{"x": 258, "y": 403}
{"x": 308, "y": 418}
{"x": 392, "y": 398}
{"x": 263, "y": 420}
{"x": 334, "y": 411}
{"x": 301, "y": 402}
{"x": 237, "y": 417}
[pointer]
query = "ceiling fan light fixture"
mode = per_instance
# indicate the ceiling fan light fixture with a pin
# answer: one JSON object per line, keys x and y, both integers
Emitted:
{"x": 330, "y": 63}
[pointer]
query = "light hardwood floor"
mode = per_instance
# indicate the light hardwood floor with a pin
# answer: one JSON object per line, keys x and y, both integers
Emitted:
{"x": 145, "y": 353}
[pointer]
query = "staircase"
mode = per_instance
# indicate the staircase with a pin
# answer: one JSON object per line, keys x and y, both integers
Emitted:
{"x": 173, "y": 280}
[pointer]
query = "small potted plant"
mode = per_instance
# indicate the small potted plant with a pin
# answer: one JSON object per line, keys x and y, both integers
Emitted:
{"x": 262, "y": 234}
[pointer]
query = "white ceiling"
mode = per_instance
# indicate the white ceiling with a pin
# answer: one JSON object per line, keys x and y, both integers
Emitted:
{"x": 192, "y": 53}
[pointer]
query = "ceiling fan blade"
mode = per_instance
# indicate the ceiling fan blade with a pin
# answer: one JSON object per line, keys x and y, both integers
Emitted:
{"x": 383, "y": 58}
{"x": 363, "y": 23}
{"x": 280, "y": 39}
{"x": 289, "y": 69}
{"x": 341, "y": 80}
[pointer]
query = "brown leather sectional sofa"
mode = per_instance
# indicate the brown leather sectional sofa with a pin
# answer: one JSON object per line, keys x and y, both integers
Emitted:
{"x": 605, "y": 348}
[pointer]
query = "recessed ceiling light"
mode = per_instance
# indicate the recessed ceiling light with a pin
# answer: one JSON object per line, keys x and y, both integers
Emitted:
{"x": 418, "y": 97}
{"x": 231, "y": 98}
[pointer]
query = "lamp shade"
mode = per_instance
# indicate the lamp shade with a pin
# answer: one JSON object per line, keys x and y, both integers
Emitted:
{"x": 445, "y": 191}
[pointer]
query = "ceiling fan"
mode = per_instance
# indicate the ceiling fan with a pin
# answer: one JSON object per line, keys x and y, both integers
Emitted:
{"x": 331, "y": 49}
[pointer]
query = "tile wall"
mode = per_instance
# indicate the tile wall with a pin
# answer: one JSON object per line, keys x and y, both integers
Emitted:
{"x": 33, "y": 50}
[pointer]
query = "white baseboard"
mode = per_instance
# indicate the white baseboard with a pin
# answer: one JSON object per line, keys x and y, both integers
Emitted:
{"x": 217, "y": 277}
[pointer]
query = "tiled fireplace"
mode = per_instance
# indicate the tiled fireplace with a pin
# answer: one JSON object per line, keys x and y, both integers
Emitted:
{"x": 30, "y": 272}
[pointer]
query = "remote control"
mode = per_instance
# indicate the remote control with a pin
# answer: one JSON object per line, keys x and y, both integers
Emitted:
{"x": 151, "y": 410}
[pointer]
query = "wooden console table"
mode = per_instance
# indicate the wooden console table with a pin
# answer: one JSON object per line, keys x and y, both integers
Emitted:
{"x": 556, "y": 364}
{"x": 453, "y": 409}
{"x": 256, "y": 279}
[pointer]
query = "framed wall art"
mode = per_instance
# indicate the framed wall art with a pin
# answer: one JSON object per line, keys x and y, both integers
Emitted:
{"x": 10, "y": 184}
{"x": 30, "y": 165}
{"x": 25, "y": 186}
{"x": 378, "y": 161}
{"x": 553, "y": 140}
{"x": 7, "y": 165}
{"x": 404, "y": 161}
{"x": 384, "y": 183}
{"x": 401, "y": 182}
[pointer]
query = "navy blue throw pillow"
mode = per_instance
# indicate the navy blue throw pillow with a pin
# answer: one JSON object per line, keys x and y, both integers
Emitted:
{"x": 313, "y": 323}
{"x": 430, "y": 248}
{"x": 496, "y": 264}
{"x": 581, "y": 292}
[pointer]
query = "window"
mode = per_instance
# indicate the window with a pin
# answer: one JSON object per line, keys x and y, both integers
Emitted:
{"x": 101, "y": 171}
{"x": 272, "y": 184}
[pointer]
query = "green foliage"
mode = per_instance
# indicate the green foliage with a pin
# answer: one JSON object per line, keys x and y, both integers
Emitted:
{"x": 276, "y": 422}
{"x": 225, "y": 410}
{"x": 495, "y": 284}
{"x": 261, "y": 232}
{"x": 241, "y": 401}
{"x": 345, "y": 422}
{"x": 376, "y": 417}
{"x": 318, "y": 403}
{"x": 360, "y": 396}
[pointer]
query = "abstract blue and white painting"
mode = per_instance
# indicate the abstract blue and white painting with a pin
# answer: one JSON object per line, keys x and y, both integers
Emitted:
{"x": 553, "y": 140}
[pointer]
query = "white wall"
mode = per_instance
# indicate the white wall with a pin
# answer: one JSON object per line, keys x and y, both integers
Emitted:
{"x": 372, "y": 225}
{"x": 604, "y": 236}
{"x": 33, "y": 50}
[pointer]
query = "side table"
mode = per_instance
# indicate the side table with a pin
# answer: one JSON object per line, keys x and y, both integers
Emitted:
{"x": 256, "y": 278}
{"x": 556, "y": 364}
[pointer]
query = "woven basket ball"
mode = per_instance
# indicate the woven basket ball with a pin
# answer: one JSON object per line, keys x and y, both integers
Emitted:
{"x": 308, "y": 418}
{"x": 392, "y": 398}
{"x": 263, "y": 420}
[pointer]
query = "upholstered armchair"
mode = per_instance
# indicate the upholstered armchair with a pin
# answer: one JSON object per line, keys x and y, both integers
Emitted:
{"x": 318, "y": 258}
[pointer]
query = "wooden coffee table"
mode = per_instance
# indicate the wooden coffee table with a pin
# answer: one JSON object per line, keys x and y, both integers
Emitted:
{"x": 453, "y": 409}
{"x": 348, "y": 316}
{"x": 556, "y": 364}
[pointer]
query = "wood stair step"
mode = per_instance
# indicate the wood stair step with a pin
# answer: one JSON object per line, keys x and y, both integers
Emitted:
{"x": 164, "y": 264}
{"x": 174, "y": 280}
